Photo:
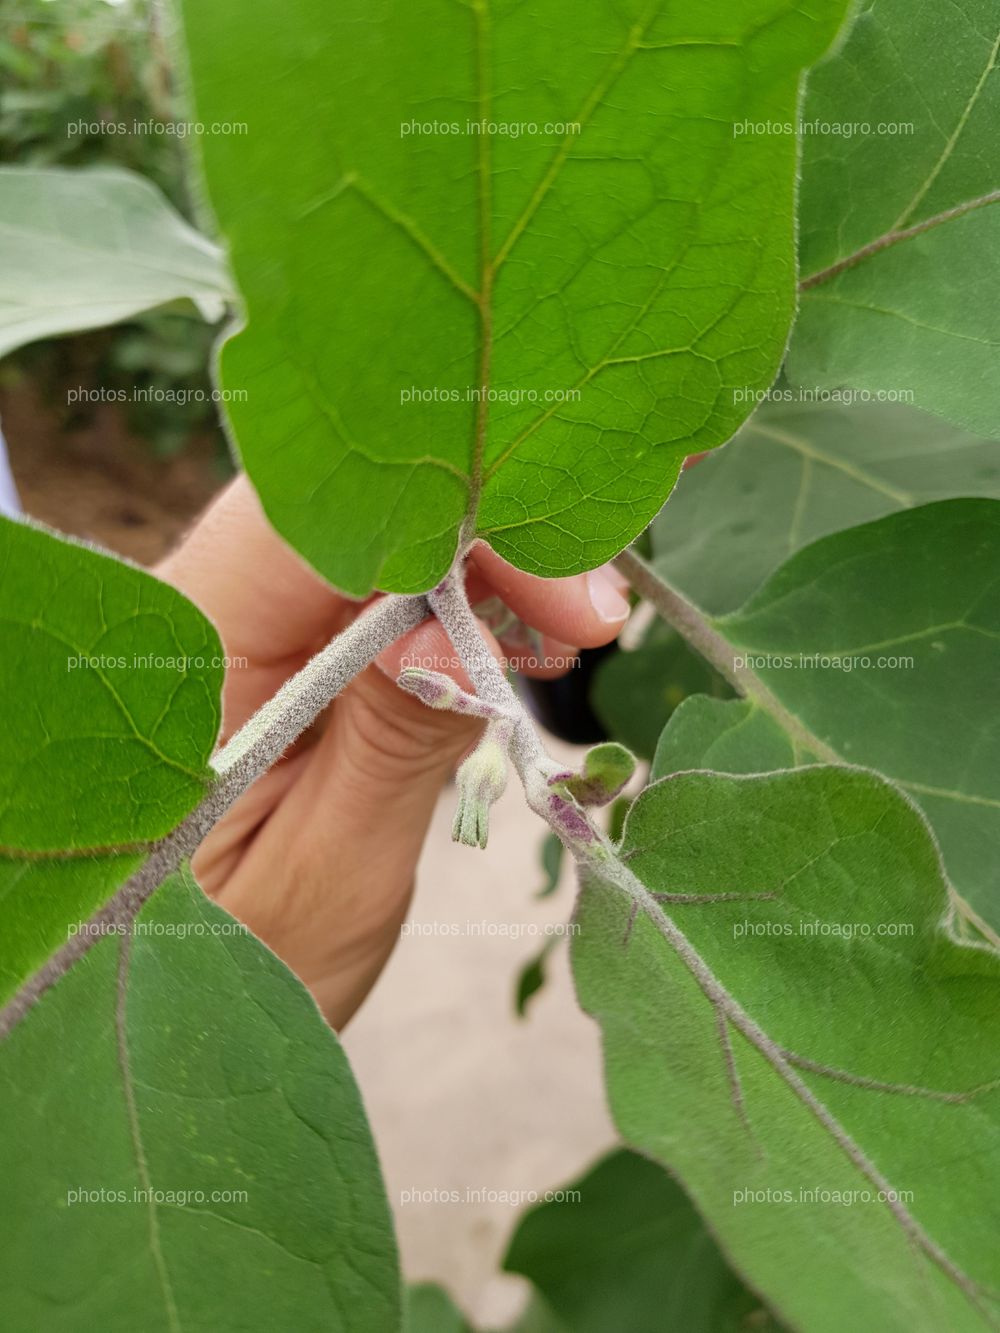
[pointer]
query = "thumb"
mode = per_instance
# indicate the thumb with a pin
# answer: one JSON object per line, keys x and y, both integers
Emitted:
{"x": 381, "y": 761}
{"x": 389, "y": 739}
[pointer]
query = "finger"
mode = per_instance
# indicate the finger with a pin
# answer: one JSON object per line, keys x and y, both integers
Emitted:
{"x": 546, "y": 660}
{"x": 585, "y": 609}
{"x": 271, "y": 610}
{"x": 429, "y": 648}
{"x": 346, "y": 836}
{"x": 267, "y": 603}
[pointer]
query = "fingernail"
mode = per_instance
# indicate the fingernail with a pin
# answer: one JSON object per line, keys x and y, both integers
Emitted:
{"x": 606, "y": 597}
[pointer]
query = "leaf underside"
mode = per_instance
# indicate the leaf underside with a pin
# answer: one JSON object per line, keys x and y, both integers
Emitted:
{"x": 84, "y": 248}
{"x": 797, "y": 472}
{"x": 643, "y": 264}
{"x": 883, "y": 643}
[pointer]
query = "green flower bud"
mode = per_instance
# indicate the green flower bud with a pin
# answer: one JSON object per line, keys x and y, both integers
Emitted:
{"x": 480, "y": 781}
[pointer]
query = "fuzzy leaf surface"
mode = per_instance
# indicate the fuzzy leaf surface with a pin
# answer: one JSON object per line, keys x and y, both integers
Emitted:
{"x": 726, "y": 736}
{"x": 83, "y": 248}
{"x": 883, "y": 642}
{"x": 722, "y": 1059}
{"x": 796, "y": 472}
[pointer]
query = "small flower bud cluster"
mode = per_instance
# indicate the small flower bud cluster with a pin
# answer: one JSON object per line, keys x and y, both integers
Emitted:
{"x": 482, "y": 777}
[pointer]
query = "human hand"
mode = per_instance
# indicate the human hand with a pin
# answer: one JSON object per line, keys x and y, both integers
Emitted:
{"x": 318, "y": 857}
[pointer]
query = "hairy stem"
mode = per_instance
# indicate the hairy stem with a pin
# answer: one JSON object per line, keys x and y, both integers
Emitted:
{"x": 450, "y": 604}
{"x": 245, "y": 758}
{"x": 694, "y": 626}
{"x": 535, "y": 767}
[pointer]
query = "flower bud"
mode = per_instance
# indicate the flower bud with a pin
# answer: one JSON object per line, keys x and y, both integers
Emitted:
{"x": 432, "y": 688}
{"x": 502, "y": 622}
{"x": 439, "y": 691}
{"x": 480, "y": 781}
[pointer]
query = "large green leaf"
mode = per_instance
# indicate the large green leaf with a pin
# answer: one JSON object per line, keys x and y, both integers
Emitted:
{"x": 797, "y": 472}
{"x": 184, "y": 1081}
{"x": 913, "y": 218}
{"x": 884, "y": 643}
{"x": 86, "y": 248}
{"x": 112, "y": 682}
{"x": 801, "y": 1033}
{"x": 429, "y": 1309}
{"x": 416, "y": 295}
{"x": 624, "y": 1249}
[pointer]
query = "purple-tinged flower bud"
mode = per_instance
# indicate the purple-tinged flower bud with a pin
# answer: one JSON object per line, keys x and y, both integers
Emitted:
{"x": 502, "y": 621}
{"x": 439, "y": 691}
{"x": 432, "y": 688}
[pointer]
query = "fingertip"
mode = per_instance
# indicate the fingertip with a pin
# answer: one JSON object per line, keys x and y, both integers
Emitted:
{"x": 549, "y": 661}
{"x": 608, "y": 594}
{"x": 587, "y": 610}
{"x": 429, "y": 648}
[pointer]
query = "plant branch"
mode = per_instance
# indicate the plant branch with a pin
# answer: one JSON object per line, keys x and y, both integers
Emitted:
{"x": 536, "y": 769}
{"x": 246, "y": 757}
{"x": 694, "y": 626}
{"x": 601, "y": 868}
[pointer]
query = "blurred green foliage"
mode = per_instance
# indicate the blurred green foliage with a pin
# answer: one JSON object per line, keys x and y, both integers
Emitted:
{"x": 85, "y": 82}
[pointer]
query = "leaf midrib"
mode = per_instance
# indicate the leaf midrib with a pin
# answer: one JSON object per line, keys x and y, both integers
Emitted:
{"x": 135, "y": 1132}
{"x": 953, "y": 139}
{"x": 894, "y": 237}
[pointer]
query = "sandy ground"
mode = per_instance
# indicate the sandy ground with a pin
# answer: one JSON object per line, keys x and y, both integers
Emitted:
{"x": 101, "y": 483}
{"x": 461, "y": 1094}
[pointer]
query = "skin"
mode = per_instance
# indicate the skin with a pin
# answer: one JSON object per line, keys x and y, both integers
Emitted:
{"x": 318, "y": 857}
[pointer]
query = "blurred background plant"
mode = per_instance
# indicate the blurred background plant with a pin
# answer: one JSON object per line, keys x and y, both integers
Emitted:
{"x": 87, "y": 82}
